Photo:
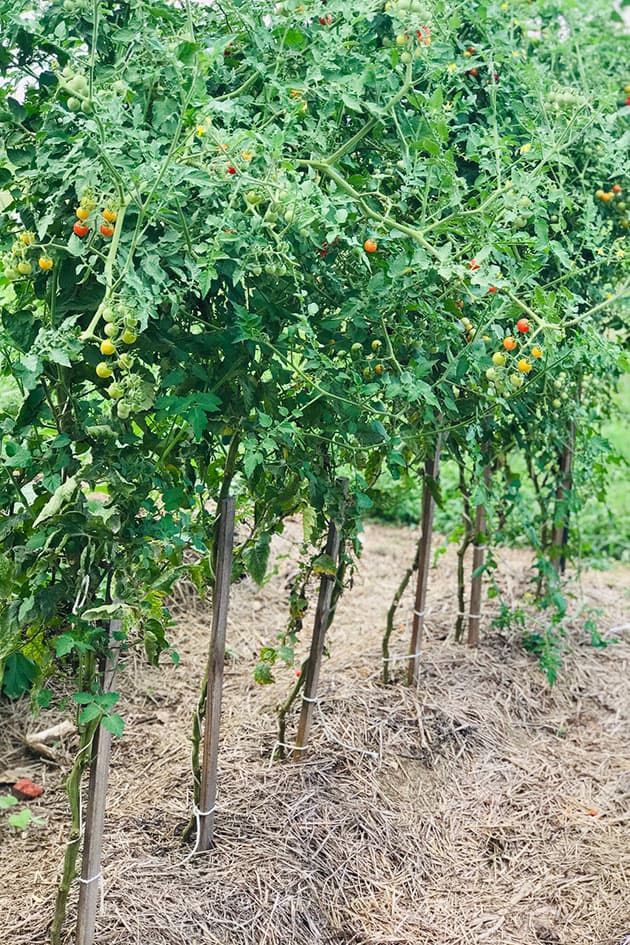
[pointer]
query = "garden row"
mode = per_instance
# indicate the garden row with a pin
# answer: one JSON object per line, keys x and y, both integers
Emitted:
{"x": 255, "y": 258}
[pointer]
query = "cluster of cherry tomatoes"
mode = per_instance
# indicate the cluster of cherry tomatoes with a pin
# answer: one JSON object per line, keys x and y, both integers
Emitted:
{"x": 500, "y": 359}
{"x": 81, "y": 226}
{"x": 356, "y": 352}
{"x": 16, "y": 264}
{"x": 121, "y": 328}
{"x": 614, "y": 197}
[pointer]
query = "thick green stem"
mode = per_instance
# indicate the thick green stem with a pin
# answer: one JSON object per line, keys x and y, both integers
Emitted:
{"x": 391, "y": 613}
{"x": 73, "y": 790}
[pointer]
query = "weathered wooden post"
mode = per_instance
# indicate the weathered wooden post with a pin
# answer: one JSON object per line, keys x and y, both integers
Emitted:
{"x": 479, "y": 555}
{"x": 91, "y": 879}
{"x": 216, "y": 663}
{"x": 431, "y": 473}
{"x": 560, "y": 534}
{"x": 318, "y": 639}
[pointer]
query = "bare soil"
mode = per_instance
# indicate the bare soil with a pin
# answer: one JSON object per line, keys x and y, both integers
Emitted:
{"x": 481, "y": 807}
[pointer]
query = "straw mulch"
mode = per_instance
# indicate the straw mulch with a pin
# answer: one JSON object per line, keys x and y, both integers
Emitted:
{"x": 481, "y": 808}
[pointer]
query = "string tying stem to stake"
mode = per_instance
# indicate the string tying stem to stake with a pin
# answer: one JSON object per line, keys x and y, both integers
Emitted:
{"x": 287, "y": 747}
{"x": 98, "y": 877}
{"x": 198, "y": 814}
{"x": 92, "y": 879}
{"x": 396, "y": 659}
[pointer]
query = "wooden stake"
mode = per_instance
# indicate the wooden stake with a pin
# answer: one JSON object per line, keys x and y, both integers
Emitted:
{"x": 90, "y": 882}
{"x": 479, "y": 556}
{"x": 560, "y": 534}
{"x": 320, "y": 626}
{"x": 431, "y": 471}
{"x": 216, "y": 662}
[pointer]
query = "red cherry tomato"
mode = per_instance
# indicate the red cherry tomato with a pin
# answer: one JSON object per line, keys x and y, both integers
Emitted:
{"x": 492, "y": 288}
{"x": 473, "y": 265}
{"x": 107, "y": 229}
{"x": 523, "y": 325}
{"x": 81, "y": 229}
{"x": 231, "y": 169}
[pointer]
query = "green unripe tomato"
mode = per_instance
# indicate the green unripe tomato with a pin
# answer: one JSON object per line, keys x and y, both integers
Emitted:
{"x": 24, "y": 267}
{"x": 115, "y": 391}
{"x": 376, "y": 344}
{"x": 110, "y": 330}
{"x": 123, "y": 410}
{"x": 516, "y": 380}
{"x": 498, "y": 358}
{"x": 491, "y": 374}
{"x": 103, "y": 369}
{"x": 406, "y": 56}
{"x": 556, "y": 403}
{"x": 74, "y": 104}
{"x": 79, "y": 85}
{"x": 356, "y": 349}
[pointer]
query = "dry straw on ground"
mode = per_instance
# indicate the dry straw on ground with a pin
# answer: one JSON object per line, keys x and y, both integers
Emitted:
{"x": 481, "y": 808}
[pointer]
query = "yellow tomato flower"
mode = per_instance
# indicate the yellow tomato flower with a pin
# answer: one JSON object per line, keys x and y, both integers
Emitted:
{"x": 525, "y": 148}
{"x": 452, "y": 67}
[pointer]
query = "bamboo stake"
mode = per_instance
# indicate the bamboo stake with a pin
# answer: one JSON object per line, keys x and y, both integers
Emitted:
{"x": 216, "y": 663}
{"x": 318, "y": 639}
{"x": 479, "y": 556}
{"x": 90, "y": 881}
{"x": 431, "y": 471}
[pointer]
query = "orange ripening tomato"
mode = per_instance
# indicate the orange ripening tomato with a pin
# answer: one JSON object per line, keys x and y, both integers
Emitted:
{"x": 537, "y": 352}
{"x": 370, "y": 246}
{"x": 109, "y": 215}
{"x": 524, "y": 366}
{"x": 509, "y": 343}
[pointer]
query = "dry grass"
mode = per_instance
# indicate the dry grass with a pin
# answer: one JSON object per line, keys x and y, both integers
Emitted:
{"x": 457, "y": 813}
